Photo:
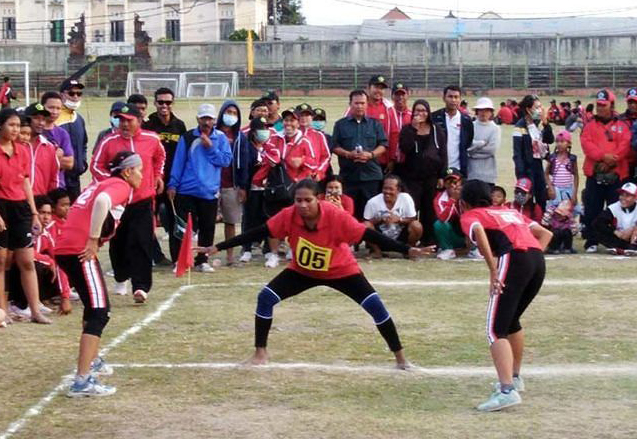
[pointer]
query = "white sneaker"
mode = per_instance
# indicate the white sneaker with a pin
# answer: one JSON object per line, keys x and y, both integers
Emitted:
{"x": 121, "y": 288}
{"x": 110, "y": 273}
{"x": 45, "y": 309}
{"x": 474, "y": 253}
{"x": 204, "y": 268}
{"x": 19, "y": 312}
{"x": 140, "y": 296}
{"x": 73, "y": 296}
{"x": 271, "y": 260}
{"x": 498, "y": 401}
{"x": 446, "y": 254}
{"x": 591, "y": 249}
{"x": 91, "y": 387}
{"x": 246, "y": 257}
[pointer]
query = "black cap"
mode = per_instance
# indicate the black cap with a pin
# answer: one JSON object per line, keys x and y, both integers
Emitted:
{"x": 378, "y": 80}
{"x": 319, "y": 114}
{"x": 36, "y": 110}
{"x": 631, "y": 94}
{"x": 259, "y": 123}
{"x": 304, "y": 108}
{"x": 129, "y": 111}
{"x": 292, "y": 112}
{"x": 271, "y": 96}
{"x": 453, "y": 173}
{"x": 261, "y": 102}
{"x": 117, "y": 106}
{"x": 399, "y": 86}
{"x": 68, "y": 84}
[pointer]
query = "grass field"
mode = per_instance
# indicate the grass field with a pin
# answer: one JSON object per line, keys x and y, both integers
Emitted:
{"x": 177, "y": 358}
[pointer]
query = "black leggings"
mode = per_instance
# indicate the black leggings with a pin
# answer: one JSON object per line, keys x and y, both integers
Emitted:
{"x": 290, "y": 283}
{"x": 522, "y": 273}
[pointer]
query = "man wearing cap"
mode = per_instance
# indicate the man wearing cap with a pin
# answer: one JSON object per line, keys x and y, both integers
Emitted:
{"x": 258, "y": 108}
{"x": 45, "y": 166}
{"x": 274, "y": 118}
{"x": 457, "y": 126}
{"x": 616, "y": 227}
{"x": 481, "y": 163}
{"x": 399, "y": 116}
{"x": 606, "y": 145}
{"x": 377, "y": 107}
{"x": 114, "y": 122}
{"x": 73, "y": 123}
{"x": 52, "y": 102}
{"x": 630, "y": 118}
{"x": 358, "y": 142}
{"x": 131, "y": 248}
{"x": 295, "y": 149}
{"x": 195, "y": 180}
{"x": 447, "y": 229}
{"x": 318, "y": 141}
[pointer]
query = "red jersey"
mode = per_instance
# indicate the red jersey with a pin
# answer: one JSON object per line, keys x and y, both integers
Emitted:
{"x": 45, "y": 166}
{"x": 13, "y": 170}
{"x": 530, "y": 210}
{"x": 506, "y": 229}
{"x": 346, "y": 201}
{"x": 506, "y": 115}
{"x": 599, "y": 138}
{"x": 147, "y": 145}
{"x": 75, "y": 231}
{"x": 297, "y": 147}
{"x": 44, "y": 253}
{"x": 397, "y": 120}
{"x": 323, "y": 253}
{"x": 322, "y": 153}
{"x": 446, "y": 208}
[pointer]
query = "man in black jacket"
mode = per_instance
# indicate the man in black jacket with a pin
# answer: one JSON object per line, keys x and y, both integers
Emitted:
{"x": 458, "y": 128}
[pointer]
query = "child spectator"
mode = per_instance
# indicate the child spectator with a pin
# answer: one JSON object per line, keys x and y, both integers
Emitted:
{"x": 334, "y": 194}
{"x": 523, "y": 200}
{"x": 560, "y": 220}
{"x": 60, "y": 204}
{"x": 498, "y": 196}
{"x": 561, "y": 174}
{"x": 447, "y": 229}
{"x": 616, "y": 227}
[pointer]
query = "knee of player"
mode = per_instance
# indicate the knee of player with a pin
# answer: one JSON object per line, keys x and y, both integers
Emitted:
{"x": 265, "y": 302}
{"x": 96, "y": 321}
{"x": 376, "y": 308}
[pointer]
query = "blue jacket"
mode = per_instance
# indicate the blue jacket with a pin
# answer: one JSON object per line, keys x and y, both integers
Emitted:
{"x": 196, "y": 169}
{"x": 466, "y": 134}
{"x": 241, "y": 160}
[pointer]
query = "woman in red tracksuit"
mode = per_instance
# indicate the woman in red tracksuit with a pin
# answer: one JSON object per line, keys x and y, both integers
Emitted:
{"x": 512, "y": 246}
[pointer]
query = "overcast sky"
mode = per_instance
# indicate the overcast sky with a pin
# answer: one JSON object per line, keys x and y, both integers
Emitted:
{"x": 326, "y": 12}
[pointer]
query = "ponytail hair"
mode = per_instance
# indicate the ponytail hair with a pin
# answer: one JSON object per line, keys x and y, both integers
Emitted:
{"x": 476, "y": 193}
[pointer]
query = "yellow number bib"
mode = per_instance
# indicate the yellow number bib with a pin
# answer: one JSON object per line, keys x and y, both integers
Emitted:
{"x": 312, "y": 257}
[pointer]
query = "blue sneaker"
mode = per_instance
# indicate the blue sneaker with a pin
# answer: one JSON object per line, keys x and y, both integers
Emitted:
{"x": 498, "y": 401}
{"x": 99, "y": 367}
{"x": 90, "y": 387}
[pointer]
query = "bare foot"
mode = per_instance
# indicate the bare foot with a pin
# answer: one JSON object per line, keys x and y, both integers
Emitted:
{"x": 39, "y": 318}
{"x": 259, "y": 358}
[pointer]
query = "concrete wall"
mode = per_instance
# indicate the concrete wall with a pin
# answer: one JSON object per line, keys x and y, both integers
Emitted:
{"x": 47, "y": 58}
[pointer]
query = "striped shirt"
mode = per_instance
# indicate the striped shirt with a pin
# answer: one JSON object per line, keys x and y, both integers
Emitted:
{"x": 561, "y": 176}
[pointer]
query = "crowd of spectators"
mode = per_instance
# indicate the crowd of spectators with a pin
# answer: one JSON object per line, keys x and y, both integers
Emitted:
{"x": 401, "y": 169}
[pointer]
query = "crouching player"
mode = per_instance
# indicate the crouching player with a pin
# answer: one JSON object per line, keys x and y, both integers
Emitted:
{"x": 516, "y": 276}
{"x": 91, "y": 221}
{"x": 320, "y": 235}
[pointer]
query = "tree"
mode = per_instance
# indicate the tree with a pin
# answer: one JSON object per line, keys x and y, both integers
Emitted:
{"x": 242, "y": 35}
{"x": 287, "y": 12}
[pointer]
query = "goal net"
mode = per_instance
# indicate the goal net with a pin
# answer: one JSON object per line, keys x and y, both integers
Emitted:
{"x": 184, "y": 84}
{"x": 18, "y": 73}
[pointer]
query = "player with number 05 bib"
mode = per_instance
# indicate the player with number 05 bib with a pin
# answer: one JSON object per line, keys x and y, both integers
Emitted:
{"x": 320, "y": 235}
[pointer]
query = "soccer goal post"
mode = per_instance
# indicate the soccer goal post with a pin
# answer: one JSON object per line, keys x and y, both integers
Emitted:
{"x": 184, "y": 84}
{"x": 14, "y": 70}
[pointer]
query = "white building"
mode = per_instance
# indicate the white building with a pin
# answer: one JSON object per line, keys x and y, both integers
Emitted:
{"x": 111, "y": 22}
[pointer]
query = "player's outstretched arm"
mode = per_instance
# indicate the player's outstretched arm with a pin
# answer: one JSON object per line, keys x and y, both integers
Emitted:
{"x": 254, "y": 235}
{"x": 388, "y": 244}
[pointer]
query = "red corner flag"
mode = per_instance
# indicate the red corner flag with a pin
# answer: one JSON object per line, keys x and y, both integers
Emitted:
{"x": 185, "y": 259}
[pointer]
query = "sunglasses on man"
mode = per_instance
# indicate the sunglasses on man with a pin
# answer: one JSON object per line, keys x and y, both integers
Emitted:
{"x": 164, "y": 102}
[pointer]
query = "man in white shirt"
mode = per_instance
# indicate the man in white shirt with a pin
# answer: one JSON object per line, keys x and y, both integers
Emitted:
{"x": 392, "y": 213}
{"x": 457, "y": 126}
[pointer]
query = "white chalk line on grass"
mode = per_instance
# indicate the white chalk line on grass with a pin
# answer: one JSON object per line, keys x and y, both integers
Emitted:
{"x": 558, "y": 370}
{"x": 37, "y": 408}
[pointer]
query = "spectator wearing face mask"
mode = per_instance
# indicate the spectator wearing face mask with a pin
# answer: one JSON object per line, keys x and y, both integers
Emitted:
{"x": 523, "y": 200}
{"x": 532, "y": 136}
{"x": 318, "y": 141}
{"x": 114, "y": 122}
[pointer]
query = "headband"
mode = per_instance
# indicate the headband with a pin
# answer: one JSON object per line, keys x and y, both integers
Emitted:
{"x": 129, "y": 162}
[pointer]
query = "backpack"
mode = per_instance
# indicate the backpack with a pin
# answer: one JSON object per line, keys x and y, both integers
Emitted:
{"x": 278, "y": 189}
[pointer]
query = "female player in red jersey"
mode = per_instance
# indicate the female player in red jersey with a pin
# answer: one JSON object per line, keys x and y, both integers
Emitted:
{"x": 91, "y": 221}
{"x": 516, "y": 276}
{"x": 18, "y": 215}
{"x": 320, "y": 235}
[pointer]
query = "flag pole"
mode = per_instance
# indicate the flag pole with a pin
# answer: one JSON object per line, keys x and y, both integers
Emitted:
{"x": 188, "y": 276}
